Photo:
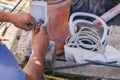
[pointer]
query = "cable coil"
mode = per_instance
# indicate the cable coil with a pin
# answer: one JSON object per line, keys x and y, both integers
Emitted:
{"x": 86, "y": 38}
{"x": 73, "y": 23}
{"x": 90, "y": 36}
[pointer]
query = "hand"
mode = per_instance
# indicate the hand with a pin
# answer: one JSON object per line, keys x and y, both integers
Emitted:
{"x": 22, "y": 20}
{"x": 40, "y": 40}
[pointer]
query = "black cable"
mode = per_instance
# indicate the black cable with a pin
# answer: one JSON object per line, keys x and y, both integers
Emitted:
{"x": 110, "y": 64}
{"x": 68, "y": 67}
{"x": 89, "y": 62}
{"x": 16, "y": 6}
{"x": 50, "y": 3}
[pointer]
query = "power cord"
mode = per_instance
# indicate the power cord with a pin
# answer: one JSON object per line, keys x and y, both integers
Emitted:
{"x": 16, "y": 6}
{"x": 87, "y": 38}
{"x": 73, "y": 23}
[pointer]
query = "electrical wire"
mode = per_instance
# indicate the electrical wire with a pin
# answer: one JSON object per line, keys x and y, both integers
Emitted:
{"x": 87, "y": 38}
{"x": 89, "y": 62}
{"x": 16, "y": 6}
{"x": 72, "y": 23}
{"x": 55, "y": 2}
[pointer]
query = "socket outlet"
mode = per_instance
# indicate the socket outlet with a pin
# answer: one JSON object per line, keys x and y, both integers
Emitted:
{"x": 39, "y": 11}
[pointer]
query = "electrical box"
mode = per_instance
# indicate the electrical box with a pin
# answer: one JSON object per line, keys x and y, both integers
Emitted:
{"x": 39, "y": 11}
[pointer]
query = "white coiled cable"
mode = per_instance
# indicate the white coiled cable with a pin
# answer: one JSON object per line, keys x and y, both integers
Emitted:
{"x": 72, "y": 24}
{"x": 86, "y": 38}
